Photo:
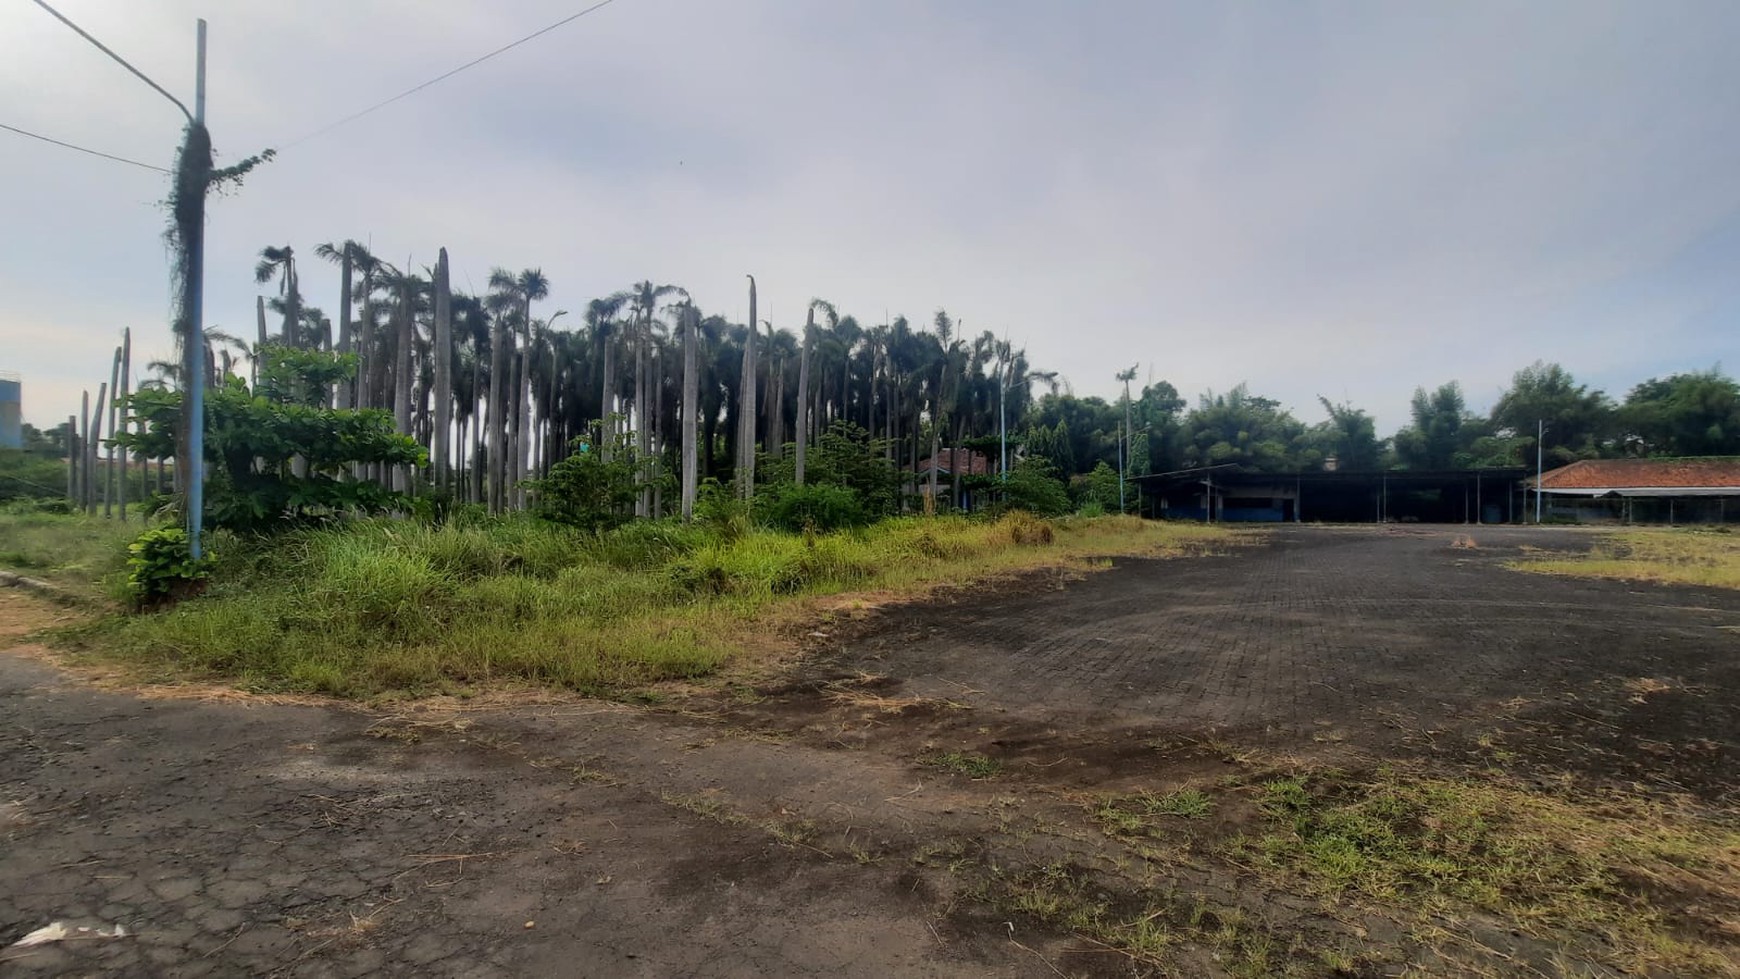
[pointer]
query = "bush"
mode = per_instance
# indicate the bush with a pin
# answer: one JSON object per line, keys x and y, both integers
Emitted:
{"x": 161, "y": 567}
{"x": 1032, "y": 487}
{"x": 815, "y": 508}
{"x": 587, "y": 490}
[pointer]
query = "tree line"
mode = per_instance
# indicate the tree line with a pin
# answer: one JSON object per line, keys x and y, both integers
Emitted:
{"x": 489, "y": 393}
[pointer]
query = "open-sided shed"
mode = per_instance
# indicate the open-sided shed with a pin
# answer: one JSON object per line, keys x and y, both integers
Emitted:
{"x": 1703, "y": 490}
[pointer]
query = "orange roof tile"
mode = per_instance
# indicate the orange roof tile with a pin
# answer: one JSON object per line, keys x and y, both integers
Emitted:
{"x": 1663, "y": 473}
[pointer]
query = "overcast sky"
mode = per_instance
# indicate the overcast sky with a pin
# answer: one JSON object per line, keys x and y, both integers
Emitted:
{"x": 1345, "y": 199}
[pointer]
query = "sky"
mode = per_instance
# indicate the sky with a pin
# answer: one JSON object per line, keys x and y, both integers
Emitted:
{"x": 1338, "y": 199}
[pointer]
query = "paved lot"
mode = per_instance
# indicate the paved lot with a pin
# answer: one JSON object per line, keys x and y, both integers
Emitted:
{"x": 587, "y": 839}
{"x": 1357, "y": 632}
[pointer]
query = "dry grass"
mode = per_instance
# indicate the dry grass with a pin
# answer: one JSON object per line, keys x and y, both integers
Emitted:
{"x": 1678, "y": 556}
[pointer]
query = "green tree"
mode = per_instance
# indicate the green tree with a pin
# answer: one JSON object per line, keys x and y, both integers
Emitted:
{"x": 253, "y": 436}
{"x": 1579, "y": 422}
{"x": 1350, "y": 435}
{"x": 1248, "y": 431}
{"x": 1442, "y": 430}
{"x": 1691, "y": 414}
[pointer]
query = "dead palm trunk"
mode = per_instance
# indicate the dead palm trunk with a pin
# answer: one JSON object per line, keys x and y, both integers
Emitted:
{"x": 643, "y": 498}
{"x": 443, "y": 371}
{"x": 776, "y": 410}
{"x": 94, "y": 426}
{"x": 498, "y": 365}
{"x": 259, "y": 349}
{"x": 402, "y": 375}
{"x": 803, "y": 396}
{"x": 691, "y": 407}
{"x": 607, "y": 397}
{"x": 345, "y": 393}
{"x": 523, "y": 436}
{"x": 109, "y": 405}
{"x": 746, "y": 408}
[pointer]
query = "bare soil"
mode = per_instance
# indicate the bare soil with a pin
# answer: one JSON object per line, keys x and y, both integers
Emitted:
{"x": 917, "y": 796}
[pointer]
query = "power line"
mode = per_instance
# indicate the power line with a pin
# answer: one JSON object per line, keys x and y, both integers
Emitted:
{"x": 443, "y": 77}
{"x": 120, "y": 60}
{"x": 81, "y": 149}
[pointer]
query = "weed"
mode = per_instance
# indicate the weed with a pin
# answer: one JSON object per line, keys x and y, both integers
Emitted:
{"x": 970, "y": 764}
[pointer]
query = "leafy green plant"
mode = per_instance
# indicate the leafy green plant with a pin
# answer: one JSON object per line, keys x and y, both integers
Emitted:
{"x": 593, "y": 489}
{"x": 815, "y": 507}
{"x": 278, "y": 454}
{"x": 161, "y": 567}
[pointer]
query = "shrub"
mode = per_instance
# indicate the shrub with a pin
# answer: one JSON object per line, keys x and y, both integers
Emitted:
{"x": 161, "y": 567}
{"x": 1032, "y": 487}
{"x": 588, "y": 490}
{"x": 819, "y": 508}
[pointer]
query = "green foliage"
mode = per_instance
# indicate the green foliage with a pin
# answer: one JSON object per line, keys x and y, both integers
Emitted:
{"x": 1246, "y": 430}
{"x": 822, "y": 507}
{"x": 1100, "y": 488}
{"x": 1350, "y": 435}
{"x": 278, "y": 455}
{"x": 1442, "y": 430}
{"x": 1684, "y": 415}
{"x": 27, "y": 475}
{"x": 591, "y": 489}
{"x": 845, "y": 456}
{"x": 1033, "y": 486}
{"x": 1579, "y": 421}
{"x": 721, "y": 510}
{"x": 161, "y": 566}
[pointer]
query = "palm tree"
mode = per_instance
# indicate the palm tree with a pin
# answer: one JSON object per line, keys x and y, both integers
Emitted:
{"x": 601, "y": 322}
{"x": 443, "y": 369}
{"x": 746, "y": 407}
{"x": 643, "y": 301}
{"x": 345, "y": 255}
{"x": 689, "y": 320}
{"x": 282, "y": 263}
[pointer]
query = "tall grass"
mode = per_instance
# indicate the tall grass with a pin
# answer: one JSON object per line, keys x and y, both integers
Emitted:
{"x": 1682, "y": 556}
{"x": 385, "y": 607}
{"x": 80, "y": 553}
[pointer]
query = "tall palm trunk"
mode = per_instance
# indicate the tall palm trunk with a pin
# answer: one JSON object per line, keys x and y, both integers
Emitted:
{"x": 803, "y": 396}
{"x": 259, "y": 348}
{"x": 126, "y": 387}
{"x": 607, "y": 397}
{"x": 523, "y": 435}
{"x": 643, "y": 430}
{"x": 746, "y": 407}
{"x": 691, "y": 407}
{"x": 109, "y": 405}
{"x": 498, "y": 366}
{"x": 443, "y": 368}
{"x": 345, "y": 394}
{"x": 402, "y": 375}
{"x": 776, "y": 410}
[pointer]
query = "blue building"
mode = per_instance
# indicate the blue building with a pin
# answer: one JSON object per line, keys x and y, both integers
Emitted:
{"x": 11, "y": 412}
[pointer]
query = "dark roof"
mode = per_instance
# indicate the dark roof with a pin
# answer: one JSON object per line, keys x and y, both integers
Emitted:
{"x": 1616, "y": 474}
{"x": 971, "y": 463}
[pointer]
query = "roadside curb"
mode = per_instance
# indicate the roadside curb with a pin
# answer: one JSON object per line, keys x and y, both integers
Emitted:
{"x": 43, "y": 588}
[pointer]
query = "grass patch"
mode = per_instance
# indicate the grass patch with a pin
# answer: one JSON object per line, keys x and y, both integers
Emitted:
{"x": 1146, "y": 814}
{"x": 384, "y": 608}
{"x": 1654, "y": 882}
{"x": 87, "y": 555}
{"x": 1679, "y": 556}
{"x": 968, "y": 763}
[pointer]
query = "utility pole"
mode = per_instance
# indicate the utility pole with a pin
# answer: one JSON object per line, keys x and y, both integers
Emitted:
{"x": 195, "y": 331}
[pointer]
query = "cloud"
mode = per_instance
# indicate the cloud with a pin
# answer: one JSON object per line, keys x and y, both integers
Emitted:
{"x": 1316, "y": 198}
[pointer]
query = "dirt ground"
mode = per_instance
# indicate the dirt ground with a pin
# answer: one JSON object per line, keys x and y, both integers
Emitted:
{"x": 909, "y": 800}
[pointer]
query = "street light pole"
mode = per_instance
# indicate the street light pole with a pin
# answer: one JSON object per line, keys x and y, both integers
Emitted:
{"x": 1540, "y": 436}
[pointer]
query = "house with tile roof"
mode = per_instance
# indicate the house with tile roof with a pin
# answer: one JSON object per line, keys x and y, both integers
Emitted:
{"x": 1700, "y": 490}
{"x": 948, "y": 462}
